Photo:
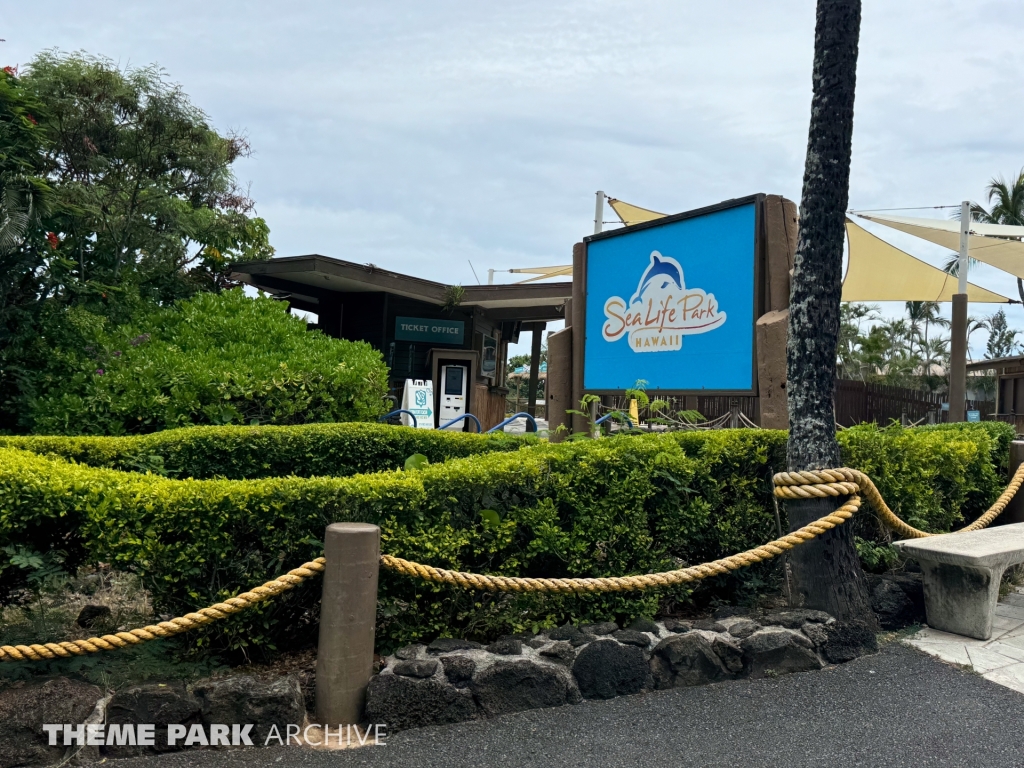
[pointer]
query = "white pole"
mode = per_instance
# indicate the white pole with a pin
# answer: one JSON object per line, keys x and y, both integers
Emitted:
{"x": 490, "y": 277}
{"x": 599, "y": 212}
{"x": 965, "y": 228}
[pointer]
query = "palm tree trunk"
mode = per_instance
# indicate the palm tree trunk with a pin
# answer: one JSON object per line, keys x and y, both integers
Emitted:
{"x": 826, "y": 573}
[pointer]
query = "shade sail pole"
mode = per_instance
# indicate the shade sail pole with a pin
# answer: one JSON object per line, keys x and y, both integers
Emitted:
{"x": 965, "y": 230}
{"x": 599, "y": 213}
{"x": 958, "y": 335}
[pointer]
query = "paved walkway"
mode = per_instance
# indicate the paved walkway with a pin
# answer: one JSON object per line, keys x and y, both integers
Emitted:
{"x": 899, "y": 708}
{"x": 1000, "y": 659}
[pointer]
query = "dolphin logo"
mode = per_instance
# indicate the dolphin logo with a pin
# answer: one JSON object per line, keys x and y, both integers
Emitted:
{"x": 660, "y": 274}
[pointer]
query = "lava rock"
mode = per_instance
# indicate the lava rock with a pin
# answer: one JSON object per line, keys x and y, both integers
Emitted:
{"x": 728, "y": 611}
{"x": 677, "y": 625}
{"x": 560, "y": 651}
{"x": 507, "y": 646}
{"x": 307, "y": 683}
{"x": 91, "y": 614}
{"x": 644, "y": 625}
{"x": 513, "y": 686}
{"x": 449, "y": 644}
{"x": 848, "y": 640}
{"x": 408, "y": 652}
{"x": 709, "y": 625}
{"x": 601, "y": 628}
{"x": 685, "y": 660}
{"x": 162, "y": 704}
{"x": 572, "y": 635}
{"x": 777, "y": 650}
{"x": 566, "y": 632}
{"x": 893, "y": 606}
{"x": 244, "y": 699}
{"x": 416, "y": 668}
{"x": 912, "y": 585}
{"x": 605, "y": 669}
{"x": 632, "y": 637}
{"x": 537, "y": 642}
{"x": 24, "y": 710}
{"x": 405, "y": 702}
{"x": 729, "y": 652}
{"x": 743, "y": 628}
{"x": 458, "y": 669}
{"x": 816, "y": 633}
{"x": 796, "y": 618}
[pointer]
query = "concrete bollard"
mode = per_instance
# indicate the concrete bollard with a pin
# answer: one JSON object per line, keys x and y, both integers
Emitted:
{"x": 344, "y": 661}
{"x": 1014, "y": 512}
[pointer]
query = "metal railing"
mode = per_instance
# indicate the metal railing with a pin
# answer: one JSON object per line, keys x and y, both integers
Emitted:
{"x": 607, "y": 416}
{"x": 460, "y": 418}
{"x": 410, "y": 414}
{"x": 532, "y": 422}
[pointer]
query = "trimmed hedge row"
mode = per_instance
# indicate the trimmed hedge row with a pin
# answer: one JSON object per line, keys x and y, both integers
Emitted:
{"x": 239, "y": 453}
{"x": 629, "y": 504}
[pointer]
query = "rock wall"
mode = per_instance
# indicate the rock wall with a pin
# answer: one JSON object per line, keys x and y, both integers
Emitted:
{"x": 454, "y": 680}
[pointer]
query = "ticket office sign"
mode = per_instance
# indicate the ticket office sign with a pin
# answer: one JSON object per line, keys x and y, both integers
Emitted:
{"x": 672, "y": 303}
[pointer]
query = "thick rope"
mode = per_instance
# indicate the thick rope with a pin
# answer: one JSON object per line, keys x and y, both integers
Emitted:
{"x": 176, "y": 626}
{"x": 788, "y": 485}
{"x": 816, "y": 484}
{"x": 627, "y": 583}
{"x": 819, "y": 484}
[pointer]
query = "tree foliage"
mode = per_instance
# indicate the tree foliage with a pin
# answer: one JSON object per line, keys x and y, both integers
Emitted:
{"x": 116, "y": 194}
{"x": 908, "y": 352}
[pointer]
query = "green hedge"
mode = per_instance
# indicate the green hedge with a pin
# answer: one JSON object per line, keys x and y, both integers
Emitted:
{"x": 629, "y": 504}
{"x": 239, "y": 453}
{"x": 215, "y": 358}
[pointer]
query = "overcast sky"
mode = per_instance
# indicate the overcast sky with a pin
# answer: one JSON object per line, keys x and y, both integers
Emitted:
{"x": 422, "y": 136}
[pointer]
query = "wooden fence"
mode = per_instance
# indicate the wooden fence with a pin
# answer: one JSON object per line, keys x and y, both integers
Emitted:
{"x": 856, "y": 402}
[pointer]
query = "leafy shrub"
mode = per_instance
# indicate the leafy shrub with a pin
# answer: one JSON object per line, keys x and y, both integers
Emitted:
{"x": 934, "y": 479}
{"x": 213, "y": 359}
{"x": 239, "y": 453}
{"x": 628, "y": 504}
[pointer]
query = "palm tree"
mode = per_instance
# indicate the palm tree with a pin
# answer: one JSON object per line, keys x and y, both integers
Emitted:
{"x": 927, "y": 313}
{"x": 1008, "y": 198}
{"x": 1007, "y": 201}
{"x": 975, "y": 324}
{"x": 824, "y": 573}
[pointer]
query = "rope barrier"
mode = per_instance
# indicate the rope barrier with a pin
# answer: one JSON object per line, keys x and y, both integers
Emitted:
{"x": 788, "y": 485}
{"x": 176, "y": 626}
{"x": 819, "y": 484}
{"x": 850, "y": 482}
{"x": 489, "y": 583}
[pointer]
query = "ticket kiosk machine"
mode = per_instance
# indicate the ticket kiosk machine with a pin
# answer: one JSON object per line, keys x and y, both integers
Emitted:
{"x": 454, "y": 395}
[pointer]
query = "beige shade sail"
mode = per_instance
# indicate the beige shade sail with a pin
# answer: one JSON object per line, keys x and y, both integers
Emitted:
{"x": 986, "y": 242}
{"x": 633, "y": 214}
{"x": 878, "y": 271}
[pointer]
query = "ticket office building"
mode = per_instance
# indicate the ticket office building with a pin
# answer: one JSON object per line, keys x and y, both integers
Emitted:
{"x": 420, "y": 326}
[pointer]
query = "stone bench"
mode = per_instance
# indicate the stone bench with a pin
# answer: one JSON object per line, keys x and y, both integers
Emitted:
{"x": 962, "y": 572}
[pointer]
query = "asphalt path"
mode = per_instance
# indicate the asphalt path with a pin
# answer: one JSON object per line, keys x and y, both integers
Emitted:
{"x": 897, "y": 708}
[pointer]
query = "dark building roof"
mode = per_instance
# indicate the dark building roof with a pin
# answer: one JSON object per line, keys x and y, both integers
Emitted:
{"x": 305, "y": 280}
{"x": 996, "y": 364}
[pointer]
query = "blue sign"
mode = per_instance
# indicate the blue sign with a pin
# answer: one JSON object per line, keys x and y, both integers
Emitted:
{"x": 435, "y": 331}
{"x": 673, "y": 304}
{"x": 974, "y": 415}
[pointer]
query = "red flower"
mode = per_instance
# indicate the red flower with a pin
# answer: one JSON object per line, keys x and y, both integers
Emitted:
{"x": 31, "y": 119}
{"x": 53, "y": 240}
{"x": 12, "y": 71}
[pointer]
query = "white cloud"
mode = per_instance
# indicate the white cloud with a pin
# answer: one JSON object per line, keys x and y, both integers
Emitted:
{"x": 419, "y": 136}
